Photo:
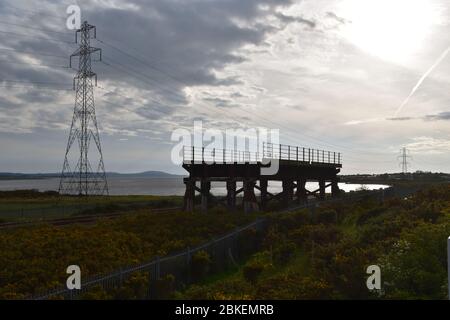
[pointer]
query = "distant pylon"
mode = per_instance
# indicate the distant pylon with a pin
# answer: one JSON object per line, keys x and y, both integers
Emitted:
{"x": 83, "y": 180}
{"x": 404, "y": 156}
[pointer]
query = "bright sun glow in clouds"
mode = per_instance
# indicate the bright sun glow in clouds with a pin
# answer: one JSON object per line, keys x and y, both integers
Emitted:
{"x": 393, "y": 30}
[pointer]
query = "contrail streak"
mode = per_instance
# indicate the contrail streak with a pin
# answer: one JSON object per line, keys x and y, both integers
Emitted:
{"x": 425, "y": 75}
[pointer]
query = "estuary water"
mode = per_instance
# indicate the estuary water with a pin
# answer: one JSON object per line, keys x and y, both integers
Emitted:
{"x": 156, "y": 186}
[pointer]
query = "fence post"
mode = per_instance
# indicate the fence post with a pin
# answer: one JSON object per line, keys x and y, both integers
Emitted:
{"x": 193, "y": 154}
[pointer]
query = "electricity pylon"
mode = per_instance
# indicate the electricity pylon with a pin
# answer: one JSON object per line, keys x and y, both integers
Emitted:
{"x": 83, "y": 180}
{"x": 404, "y": 156}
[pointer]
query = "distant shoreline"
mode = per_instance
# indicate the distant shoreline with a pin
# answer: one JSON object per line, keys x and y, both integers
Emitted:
{"x": 40, "y": 176}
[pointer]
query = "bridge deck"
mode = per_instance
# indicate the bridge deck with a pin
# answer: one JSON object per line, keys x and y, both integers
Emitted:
{"x": 294, "y": 166}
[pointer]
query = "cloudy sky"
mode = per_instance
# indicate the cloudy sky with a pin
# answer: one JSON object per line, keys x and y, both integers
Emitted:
{"x": 363, "y": 77}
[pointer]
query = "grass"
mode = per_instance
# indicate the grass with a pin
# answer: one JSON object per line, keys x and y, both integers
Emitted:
{"x": 34, "y": 206}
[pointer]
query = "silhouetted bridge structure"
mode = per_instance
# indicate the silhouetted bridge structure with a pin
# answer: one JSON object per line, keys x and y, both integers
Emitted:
{"x": 296, "y": 166}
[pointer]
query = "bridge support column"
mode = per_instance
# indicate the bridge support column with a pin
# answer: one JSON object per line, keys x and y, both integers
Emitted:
{"x": 205, "y": 187}
{"x": 231, "y": 194}
{"x": 189, "y": 195}
{"x": 335, "y": 191}
{"x": 263, "y": 186}
{"x": 250, "y": 203}
{"x": 288, "y": 192}
{"x": 302, "y": 196}
{"x": 322, "y": 189}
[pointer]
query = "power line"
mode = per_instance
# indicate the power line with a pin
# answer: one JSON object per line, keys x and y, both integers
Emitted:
{"x": 33, "y": 82}
{"x": 253, "y": 114}
{"x": 34, "y": 37}
{"x": 36, "y": 64}
{"x": 34, "y": 53}
{"x": 35, "y": 28}
{"x": 33, "y": 11}
{"x": 34, "y": 86}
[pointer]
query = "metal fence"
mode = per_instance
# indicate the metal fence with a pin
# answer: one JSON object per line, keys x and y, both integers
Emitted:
{"x": 192, "y": 154}
{"x": 224, "y": 252}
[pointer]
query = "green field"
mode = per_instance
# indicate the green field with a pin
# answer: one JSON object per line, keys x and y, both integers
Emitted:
{"x": 35, "y": 206}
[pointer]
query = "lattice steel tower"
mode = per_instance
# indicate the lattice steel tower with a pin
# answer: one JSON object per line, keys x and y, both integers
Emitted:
{"x": 404, "y": 156}
{"x": 83, "y": 180}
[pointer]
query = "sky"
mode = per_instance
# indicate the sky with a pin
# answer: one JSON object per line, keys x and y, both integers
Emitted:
{"x": 361, "y": 77}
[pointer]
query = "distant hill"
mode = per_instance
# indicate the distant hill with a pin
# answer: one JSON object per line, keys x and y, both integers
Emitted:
{"x": 145, "y": 174}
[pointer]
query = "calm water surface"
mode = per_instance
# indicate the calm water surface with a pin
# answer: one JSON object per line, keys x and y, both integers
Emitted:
{"x": 154, "y": 186}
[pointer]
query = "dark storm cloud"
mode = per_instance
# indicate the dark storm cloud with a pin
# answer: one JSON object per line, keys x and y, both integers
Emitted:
{"x": 183, "y": 41}
{"x": 164, "y": 45}
{"x": 157, "y": 47}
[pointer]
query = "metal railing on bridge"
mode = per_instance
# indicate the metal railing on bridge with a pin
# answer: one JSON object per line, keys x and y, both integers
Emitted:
{"x": 192, "y": 154}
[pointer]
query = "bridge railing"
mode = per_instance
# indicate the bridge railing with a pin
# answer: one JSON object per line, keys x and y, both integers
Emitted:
{"x": 192, "y": 154}
{"x": 302, "y": 154}
{"x": 213, "y": 155}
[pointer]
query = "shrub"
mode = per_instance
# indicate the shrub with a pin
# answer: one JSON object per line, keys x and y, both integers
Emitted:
{"x": 248, "y": 241}
{"x": 283, "y": 253}
{"x": 327, "y": 216}
{"x": 252, "y": 271}
{"x": 95, "y": 293}
{"x": 200, "y": 265}
{"x": 165, "y": 287}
